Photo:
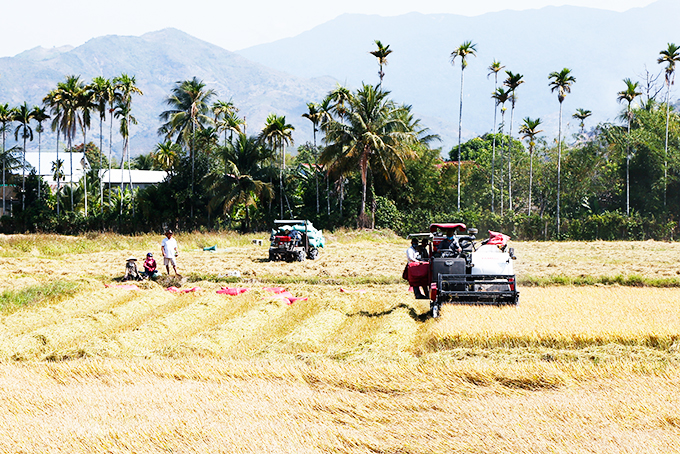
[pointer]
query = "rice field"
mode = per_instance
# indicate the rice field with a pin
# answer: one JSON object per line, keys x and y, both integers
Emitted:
{"x": 354, "y": 366}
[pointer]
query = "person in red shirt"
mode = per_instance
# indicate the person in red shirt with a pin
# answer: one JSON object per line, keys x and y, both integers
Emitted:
{"x": 149, "y": 266}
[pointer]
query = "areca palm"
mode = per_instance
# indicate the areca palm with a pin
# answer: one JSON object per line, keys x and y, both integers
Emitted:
{"x": 127, "y": 86}
{"x": 239, "y": 183}
{"x": 494, "y": 69}
{"x": 628, "y": 95}
{"x": 114, "y": 97}
{"x": 5, "y": 119}
{"x": 23, "y": 115}
{"x": 313, "y": 114}
{"x": 277, "y": 134}
{"x": 371, "y": 136}
{"x": 581, "y": 115}
{"x": 512, "y": 82}
{"x": 51, "y": 100}
{"x": 381, "y": 54}
{"x": 529, "y": 130}
{"x": 670, "y": 56}
{"x": 225, "y": 114}
{"x": 101, "y": 92}
{"x": 463, "y": 52}
{"x": 561, "y": 82}
{"x": 501, "y": 96}
{"x": 189, "y": 110}
{"x": 40, "y": 115}
{"x": 87, "y": 104}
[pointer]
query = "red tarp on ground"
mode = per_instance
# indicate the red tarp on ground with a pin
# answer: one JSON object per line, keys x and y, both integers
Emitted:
{"x": 232, "y": 291}
{"x": 185, "y": 290}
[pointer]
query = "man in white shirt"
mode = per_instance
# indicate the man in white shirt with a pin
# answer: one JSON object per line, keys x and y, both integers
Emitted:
{"x": 170, "y": 252}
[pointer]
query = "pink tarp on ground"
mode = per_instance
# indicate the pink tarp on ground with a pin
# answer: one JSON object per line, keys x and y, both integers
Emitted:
{"x": 185, "y": 290}
{"x": 275, "y": 289}
{"x": 284, "y": 295}
{"x": 122, "y": 286}
{"x": 345, "y": 290}
{"x": 232, "y": 291}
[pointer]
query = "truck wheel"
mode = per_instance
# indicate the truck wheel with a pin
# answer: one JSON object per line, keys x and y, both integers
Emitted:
{"x": 301, "y": 256}
{"x": 435, "y": 310}
{"x": 313, "y": 253}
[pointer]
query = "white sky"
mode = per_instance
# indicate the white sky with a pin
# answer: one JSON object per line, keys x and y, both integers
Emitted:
{"x": 230, "y": 24}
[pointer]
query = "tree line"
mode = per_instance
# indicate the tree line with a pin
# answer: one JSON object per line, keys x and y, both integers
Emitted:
{"x": 371, "y": 162}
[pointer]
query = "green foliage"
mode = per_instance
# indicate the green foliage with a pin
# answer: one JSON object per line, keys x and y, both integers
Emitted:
{"x": 11, "y": 300}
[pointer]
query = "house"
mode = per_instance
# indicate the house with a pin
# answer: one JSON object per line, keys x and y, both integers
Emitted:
{"x": 139, "y": 179}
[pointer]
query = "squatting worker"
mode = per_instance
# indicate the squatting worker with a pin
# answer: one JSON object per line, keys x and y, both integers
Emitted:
{"x": 169, "y": 251}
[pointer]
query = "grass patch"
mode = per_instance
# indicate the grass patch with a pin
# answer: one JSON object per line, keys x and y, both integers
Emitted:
{"x": 11, "y": 300}
{"x": 632, "y": 280}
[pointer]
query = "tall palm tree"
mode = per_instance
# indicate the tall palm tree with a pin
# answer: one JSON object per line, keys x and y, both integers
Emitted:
{"x": 669, "y": 56}
{"x": 277, "y": 134}
{"x": 501, "y": 96}
{"x": 512, "y": 82}
{"x": 463, "y": 51}
{"x": 126, "y": 119}
{"x": 114, "y": 97}
{"x": 166, "y": 155}
{"x": 101, "y": 91}
{"x": 313, "y": 114}
{"x": 40, "y": 115}
{"x": 23, "y": 115}
{"x": 494, "y": 69}
{"x": 189, "y": 111}
{"x": 381, "y": 54}
{"x": 628, "y": 95}
{"x": 240, "y": 182}
{"x": 127, "y": 85}
{"x": 371, "y": 136}
{"x": 6, "y": 115}
{"x": 581, "y": 115}
{"x": 224, "y": 111}
{"x": 529, "y": 130}
{"x": 86, "y": 105}
{"x": 561, "y": 82}
{"x": 51, "y": 100}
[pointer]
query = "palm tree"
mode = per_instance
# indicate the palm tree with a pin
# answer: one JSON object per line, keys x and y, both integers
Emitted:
{"x": 628, "y": 95}
{"x": 370, "y": 136}
{"x": 114, "y": 97}
{"x": 313, "y": 114}
{"x": 189, "y": 111}
{"x": 166, "y": 155}
{"x": 670, "y": 56}
{"x": 239, "y": 183}
{"x": 86, "y": 104}
{"x": 381, "y": 54}
{"x": 494, "y": 69}
{"x": 58, "y": 175}
{"x": 101, "y": 91}
{"x": 512, "y": 82}
{"x": 40, "y": 115}
{"x": 51, "y": 100}
{"x": 224, "y": 111}
{"x": 6, "y": 117}
{"x": 23, "y": 115}
{"x": 561, "y": 82}
{"x": 463, "y": 51}
{"x": 581, "y": 115}
{"x": 277, "y": 134}
{"x": 127, "y": 86}
{"x": 529, "y": 130}
{"x": 126, "y": 119}
{"x": 501, "y": 96}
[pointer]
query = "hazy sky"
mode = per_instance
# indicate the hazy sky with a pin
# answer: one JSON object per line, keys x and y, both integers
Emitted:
{"x": 230, "y": 24}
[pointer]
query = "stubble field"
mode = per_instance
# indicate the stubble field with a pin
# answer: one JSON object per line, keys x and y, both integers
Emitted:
{"x": 357, "y": 367}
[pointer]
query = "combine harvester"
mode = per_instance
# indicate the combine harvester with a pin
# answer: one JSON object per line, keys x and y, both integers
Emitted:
{"x": 460, "y": 270}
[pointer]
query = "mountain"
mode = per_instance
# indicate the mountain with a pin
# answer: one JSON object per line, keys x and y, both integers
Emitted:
{"x": 600, "y": 47}
{"x": 158, "y": 60}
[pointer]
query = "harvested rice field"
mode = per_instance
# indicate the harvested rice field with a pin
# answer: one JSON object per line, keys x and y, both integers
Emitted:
{"x": 589, "y": 362}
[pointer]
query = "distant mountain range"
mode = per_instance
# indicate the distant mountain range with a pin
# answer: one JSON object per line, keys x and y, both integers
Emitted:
{"x": 601, "y": 47}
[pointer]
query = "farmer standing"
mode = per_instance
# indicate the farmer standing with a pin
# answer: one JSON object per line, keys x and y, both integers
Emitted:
{"x": 170, "y": 252}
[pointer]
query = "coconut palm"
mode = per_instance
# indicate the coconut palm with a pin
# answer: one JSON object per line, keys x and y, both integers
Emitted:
{"x": 277, "y": 134}
{"x": 189, "y": 111}
{"x": 501, "y": 96}
{"x": 166, "y": 155}
{"x": 23, "y": 115}
{"x": 561, "y": 82}
{"x": 371, "y": 136}
{"x": 127, "y": 86}
{"x": 6, "y": 115}
{"x": 240, "y": 182}
{"x": 581, "y": 115}
{"x": 512, "y": 82}
{"x": 529, "y": 130}
{"x": 40, "y": 115}
{"x": 628, "y": 95}
{"x": 463, "y": 51}
{"x": 669, "y": 56}
{"x": 381, "y": 54}
{"x": 494, "y": 69}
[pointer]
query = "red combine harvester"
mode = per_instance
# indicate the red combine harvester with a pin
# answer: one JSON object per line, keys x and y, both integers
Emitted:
{"x": 458, "y": 269}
